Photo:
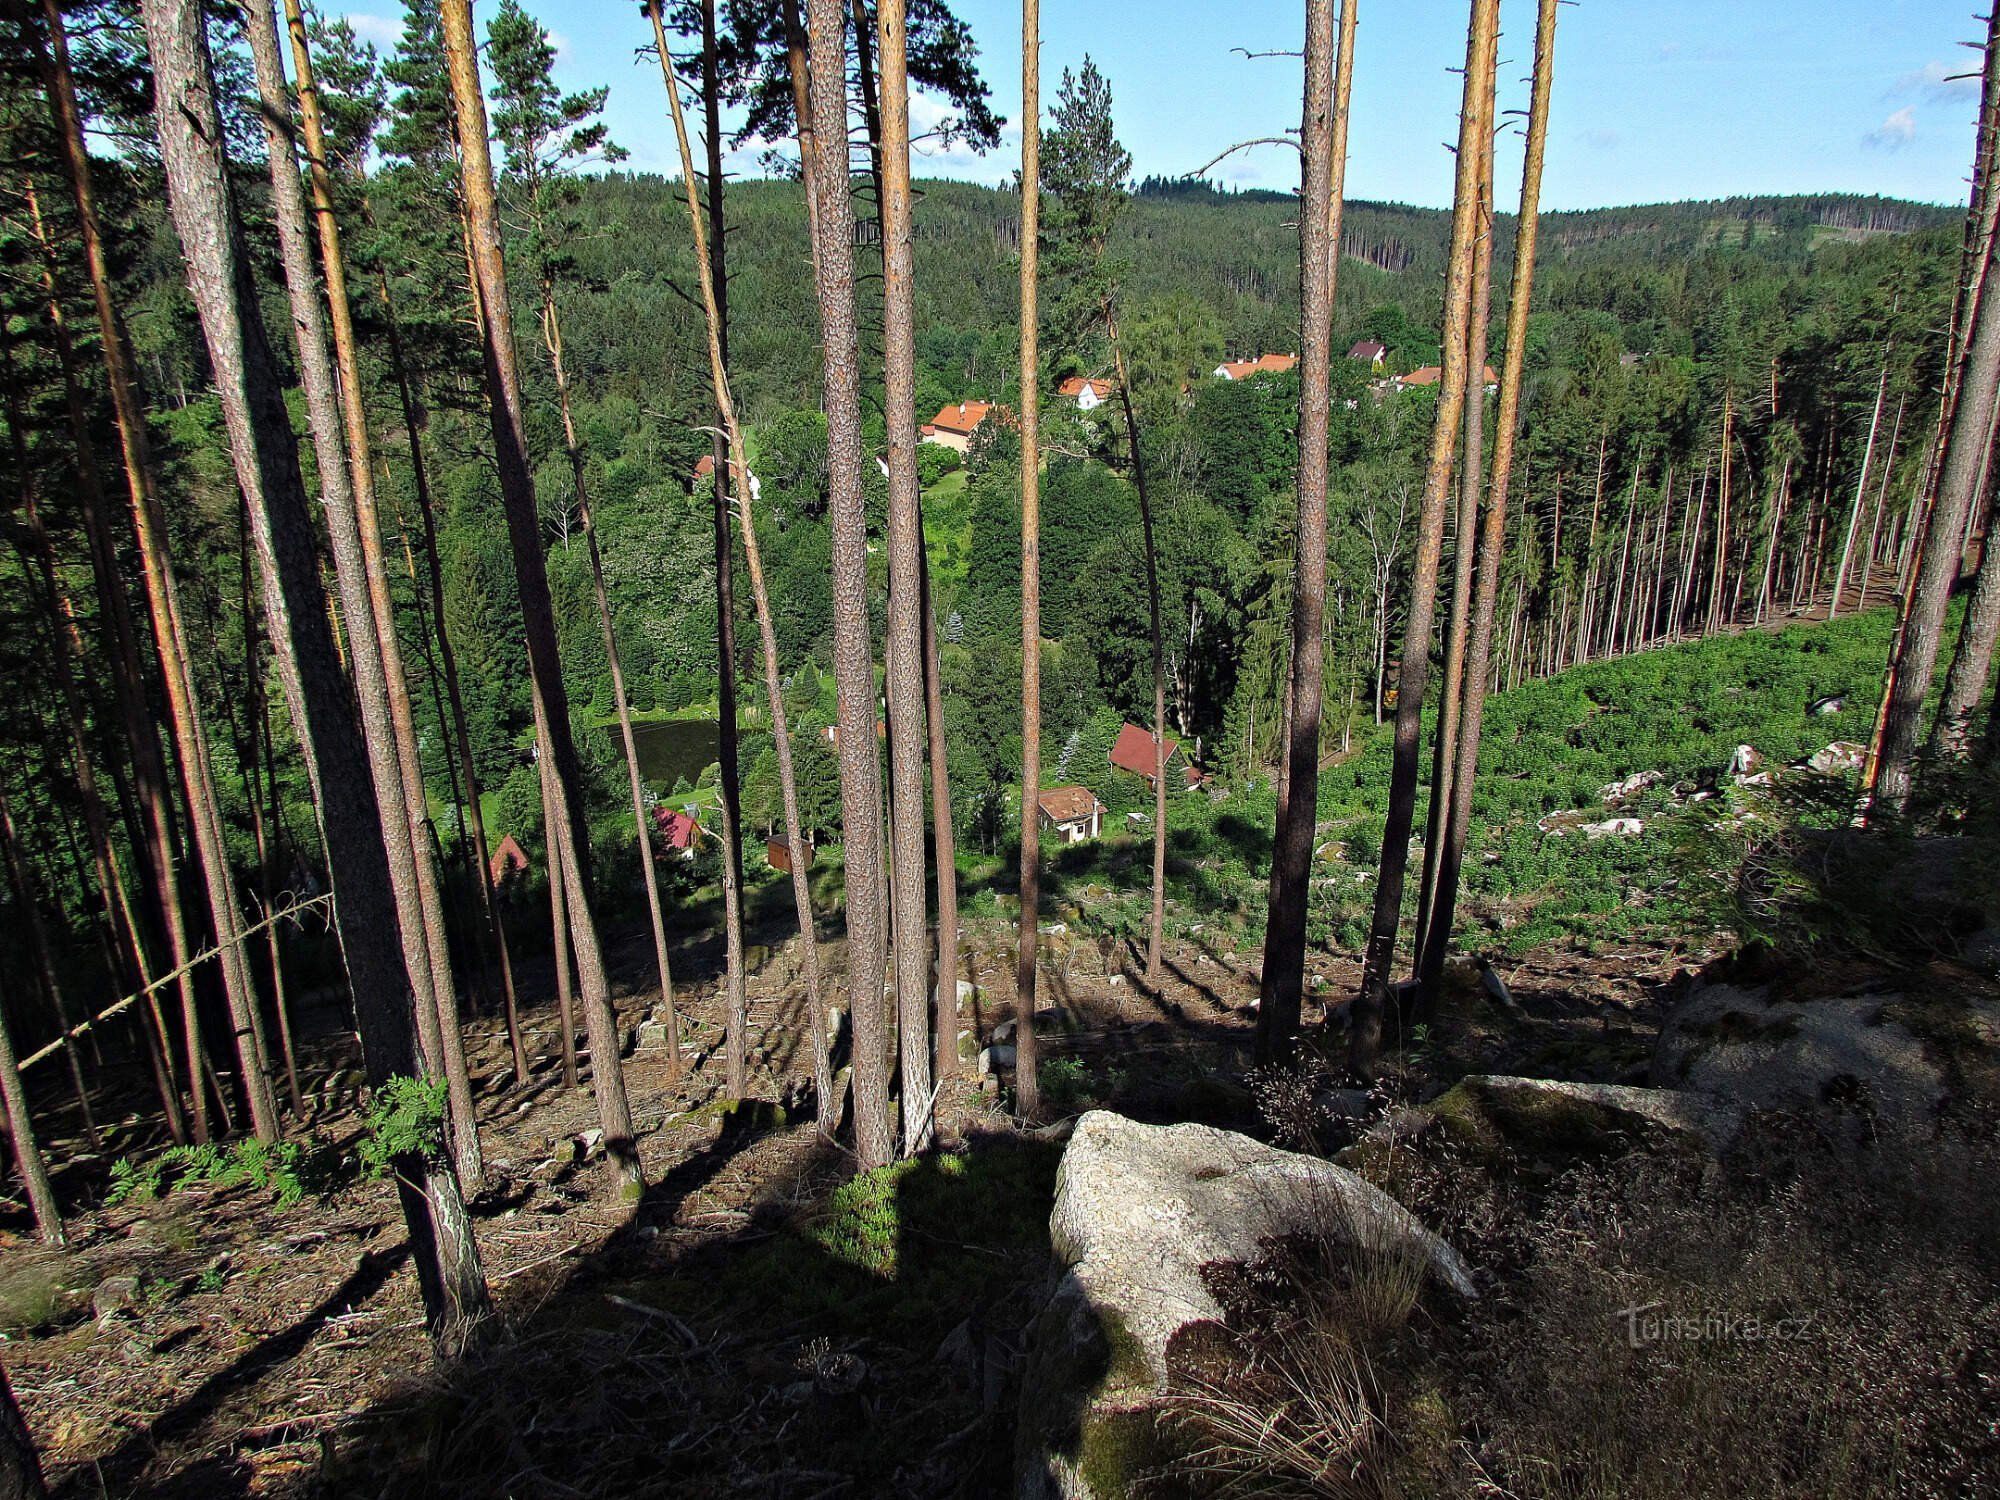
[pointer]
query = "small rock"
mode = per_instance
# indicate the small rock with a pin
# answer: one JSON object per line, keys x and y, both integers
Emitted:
{"x": 993, "y": 1059}
{"x": 115, "y": 1295}
{"x": 990, "y": 1086}
{"x": 1004, "y": 1032}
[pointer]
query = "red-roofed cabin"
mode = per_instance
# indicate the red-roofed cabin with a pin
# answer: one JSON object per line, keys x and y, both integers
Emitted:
{"x": 1134, "y": 752}
{"x": 509, "y": 861}
{"x": 678, "y": 830}
{"x": 1369, "y": 352}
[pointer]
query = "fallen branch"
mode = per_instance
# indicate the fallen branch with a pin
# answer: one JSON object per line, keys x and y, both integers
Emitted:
{"x": 169, "y": 977}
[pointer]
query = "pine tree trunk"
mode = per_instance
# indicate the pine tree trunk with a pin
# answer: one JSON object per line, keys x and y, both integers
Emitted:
{"x": 266, "y": 457}
{"x": 1493, "y": 536}
{"x": 152, "y": 830}
{"x": 909, "y": 743}
{"x": 1366, "y": 1035}
{"x": 1156, "y": 924}
{"x": 1444, "y": 742}
{"x": 860, "y": 779}
{"x": 551, "y": 700}
{"x": 169, "y": 634}
{"x": 559, "y": 922}
{"x": 649, "y": 870}
{"x": 1329, "y": 75}
{"x": 1027, "y": 937}
{"x": 459, "y": 731}
{"x": 346, "y": 479}
{"x": 1965, "y": 681}
{"x": 944, "y": 1035}
{"x": 728, "y": 780}
{"x": 829, "y": 1106}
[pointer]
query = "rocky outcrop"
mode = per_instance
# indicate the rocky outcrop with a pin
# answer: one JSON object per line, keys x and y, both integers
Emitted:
{"x": 1878, "y": 1052}
{"x": 1589, "y": 1109}
{"x": 1139, "y": 1210}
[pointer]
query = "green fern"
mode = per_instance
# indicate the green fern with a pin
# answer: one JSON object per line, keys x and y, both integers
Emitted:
{"x": 405, "y": 1117}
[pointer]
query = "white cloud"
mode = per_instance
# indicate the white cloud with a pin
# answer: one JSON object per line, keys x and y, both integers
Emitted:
{"x": 1938, "y": 81}
{"x": 1895, "y": 132}
{"x": 1601, "y": 138}
{"x": 383, "y": 31}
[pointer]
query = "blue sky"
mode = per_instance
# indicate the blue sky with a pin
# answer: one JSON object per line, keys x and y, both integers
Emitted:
{"x": 1655, "y": 99}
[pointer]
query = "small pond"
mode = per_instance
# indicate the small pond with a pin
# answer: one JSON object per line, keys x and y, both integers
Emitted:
{"x": 671, "y": 749}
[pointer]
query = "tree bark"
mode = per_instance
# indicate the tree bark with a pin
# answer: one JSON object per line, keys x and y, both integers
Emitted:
{"x": 1329, "y": 75}
{"x": 551, "y": 700}
{"x": 1027, "y": 937}
{"x": 1366, "y": 1035}
{"x": 1914, "y": 661}
{"x": 1965, "y": 681}
{"x": 1444, "y": 746}
{"x": 266, "y": 458}
{"x": 338, "y": 424}
{"x": 860, "y": 779}
{"x": 828, "y": 1103}
{"x": 163, "y": 597}
{"x": 908, "y": 744}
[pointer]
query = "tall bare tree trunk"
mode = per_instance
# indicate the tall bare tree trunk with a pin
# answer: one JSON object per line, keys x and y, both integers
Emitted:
{"x": 860, "y": 779}
{"x": 169, "y": 634}
{"x": 1027, "y": 939}
{"x": 1881, "y": 504}
{"x": 266, "y": 456}
{"x": 1860, "y": 492}
{"x": 1329, "y": 76}
{"x": 1965, "y": 681}
{"x": 153, "y": 830}
{"x": 517, "y": 488}
{"x": 795, "y": 845}
{"x": 944, "y": 1034}
{"x": 909, "y": 743}
{"x": 552, "y": 340}
{"x": 1444, "y": 746}
{"x": 1920, "y": 637}
{"x": 347, "y": 488}
{"x": 726, "y": 485}
{"x": 28, "y": 1158}
{"x": 1366, "y": 1036}
{"x": 459, "y": 731}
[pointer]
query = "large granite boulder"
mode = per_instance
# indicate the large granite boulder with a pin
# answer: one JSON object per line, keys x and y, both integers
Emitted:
{"x": 1139, "y": 1210}
{"x": 1739, "y": 1043}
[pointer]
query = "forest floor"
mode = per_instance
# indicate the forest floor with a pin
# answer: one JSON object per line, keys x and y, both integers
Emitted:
{"x": 760, "y": 1323}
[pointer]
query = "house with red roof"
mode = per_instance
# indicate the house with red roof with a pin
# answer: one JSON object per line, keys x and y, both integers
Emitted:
{"x": 678, "y": 830}
{"x": 1088, "y": 394}
{"x": 1133, "y": 751}
{"x": 954, "y": 426}
{"x": 1072, "y": 812}
{"x": 1263, "y": 364}
{"x": 705, "y": 469}
{"x": 1369, "y": 352}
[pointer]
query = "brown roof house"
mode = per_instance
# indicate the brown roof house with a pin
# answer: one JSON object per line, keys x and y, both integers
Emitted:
{"x": 954, "y": 425}
{"x": 509, "y": 861}
{"x": 1087, "y": 394}
{"x": 1369, "y": 352}
{"x": 1134, "y": 752}
{"x": 1263, "y": 364}
{"x": 1431, "y": 375}
{"x": 1073, "y": 812}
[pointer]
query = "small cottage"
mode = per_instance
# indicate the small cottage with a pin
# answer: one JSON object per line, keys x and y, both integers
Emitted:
{"x": 1071, "y": 812}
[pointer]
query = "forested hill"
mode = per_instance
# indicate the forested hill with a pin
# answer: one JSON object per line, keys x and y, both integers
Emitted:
{"x": 1230, "y": 259}
{"x": 1234, "y": 256}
